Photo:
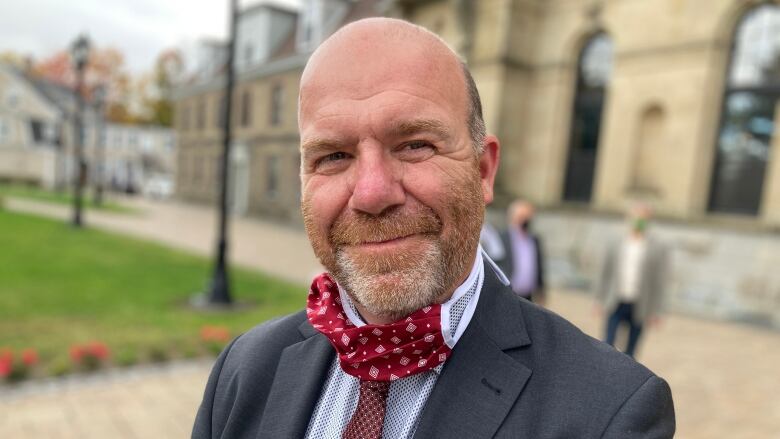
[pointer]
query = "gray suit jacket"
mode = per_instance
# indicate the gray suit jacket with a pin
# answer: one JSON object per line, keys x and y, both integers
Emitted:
{"x": 518, "y": 371}
{"x": 652, "y": 282}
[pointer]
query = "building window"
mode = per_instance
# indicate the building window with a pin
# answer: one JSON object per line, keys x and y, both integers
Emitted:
{"x": 5, "y": 130}
{"x": 12, "y": 97}
{"x": 202, "y": 114}
{"x": 133, "y": 141}
{"x": 249, "y": 52}
{"x": 184, "y": 120}
{"x": 277, "y": 104}
{"x": 221, "y": 107}
{"x": 748, "y": 114}
{"x": 36, "y": 127}
{"x": 593, "y": 75}
{"x": 309, "y": 25}
{"x": 197, "y": 166}
{"x": 272, "y": 177}
{"x": 246, "y": 108}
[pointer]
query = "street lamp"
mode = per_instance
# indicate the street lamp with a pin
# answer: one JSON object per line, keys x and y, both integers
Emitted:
{"x": 219, "y": 293}
{"x": 99, "y": 99}
{"x": 80, "y": 56}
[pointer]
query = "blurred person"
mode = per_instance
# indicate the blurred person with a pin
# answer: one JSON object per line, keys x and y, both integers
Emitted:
{"x": 633, "y": 277}
{"x": 411, "y": 332}
{"x": 523, "y": 261}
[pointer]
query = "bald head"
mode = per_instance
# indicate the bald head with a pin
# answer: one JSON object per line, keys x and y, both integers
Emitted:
{"x": 363, "y": 57}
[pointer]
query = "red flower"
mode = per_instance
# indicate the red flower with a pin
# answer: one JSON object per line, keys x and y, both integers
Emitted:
{"x": 29, "y": 357}
{"x": 6, "y": 365}
{"x": 215, "y": 333}
{"x": 90, "y": 353}
{"x": 99, "y": 350}
{"x": 76, "y": 353}
{"x": 6, "y": 354}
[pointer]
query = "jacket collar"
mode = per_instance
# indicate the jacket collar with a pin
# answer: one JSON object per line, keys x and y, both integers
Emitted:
{"x": 297, "y": 385}
{"x": 480, "y": 382}
{"x": 473, "y": 394}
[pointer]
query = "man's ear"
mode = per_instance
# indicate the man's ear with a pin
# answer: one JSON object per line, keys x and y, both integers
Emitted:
{"x": 488, "y": 166}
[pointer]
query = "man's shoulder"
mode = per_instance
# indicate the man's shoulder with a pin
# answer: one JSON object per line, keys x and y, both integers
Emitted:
{"x": 260, "y": 347}
{"x": 594, "y": 386}
{"x": 557, "y": 350}
{"x": 577, "y": 363}
{"x": 272, "y": 336}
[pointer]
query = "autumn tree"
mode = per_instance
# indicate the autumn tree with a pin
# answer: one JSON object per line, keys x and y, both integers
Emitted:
{"x": 105, "y": 68}
{"x": 157, "y": 88}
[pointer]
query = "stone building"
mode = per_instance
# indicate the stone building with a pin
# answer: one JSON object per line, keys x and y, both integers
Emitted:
{"x": 37, "y": 139}
{"x": 596, "y": 103}
{"x": 272, "y": 47}
{"x": 34, "y": 130}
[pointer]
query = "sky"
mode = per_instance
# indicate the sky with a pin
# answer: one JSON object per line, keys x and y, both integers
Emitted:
{"x": 141, "y": 29}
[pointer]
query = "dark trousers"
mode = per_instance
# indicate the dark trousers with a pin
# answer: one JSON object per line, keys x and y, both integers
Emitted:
{"x": 624, "y": 313}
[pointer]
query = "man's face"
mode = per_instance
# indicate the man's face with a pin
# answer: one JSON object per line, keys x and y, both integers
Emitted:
{"x": 393, "y": 192}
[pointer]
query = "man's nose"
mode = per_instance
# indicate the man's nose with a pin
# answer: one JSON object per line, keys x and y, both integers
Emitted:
{"x": 377, "y": 183}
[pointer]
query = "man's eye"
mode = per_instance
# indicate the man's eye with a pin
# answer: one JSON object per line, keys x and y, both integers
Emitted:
{"x": 416, "y": 150}
{"x": 331, "y": 162}
{"x": 332, "y": 157}
{"x": 417, "y": 144}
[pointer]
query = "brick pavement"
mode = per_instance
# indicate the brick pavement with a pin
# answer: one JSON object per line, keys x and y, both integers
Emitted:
{"x": 724, "y": 376}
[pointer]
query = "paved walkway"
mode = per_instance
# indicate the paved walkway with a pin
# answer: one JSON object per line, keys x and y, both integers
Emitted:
{"x": 724, "y": 376}
{"x": 264, "y": 245}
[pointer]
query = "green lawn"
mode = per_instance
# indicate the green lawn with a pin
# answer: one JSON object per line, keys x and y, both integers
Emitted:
{"x": 60, "y": 286}
{"x": 65, "y": 197}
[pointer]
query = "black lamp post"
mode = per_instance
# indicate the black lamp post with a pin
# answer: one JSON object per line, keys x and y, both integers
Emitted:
{"x": 80, "y": 56}
{"x": 219, "y": 291}
{"x": 99, "y": 98}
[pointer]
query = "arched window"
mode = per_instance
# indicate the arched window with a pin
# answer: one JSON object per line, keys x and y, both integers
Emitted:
{"x": 593, "y": 75}
{"x": 748, "y": 118}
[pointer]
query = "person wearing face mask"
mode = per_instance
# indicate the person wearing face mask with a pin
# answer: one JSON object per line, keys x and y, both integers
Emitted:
{"x": 632, "y": 283}
{"x": 523, "y": 260}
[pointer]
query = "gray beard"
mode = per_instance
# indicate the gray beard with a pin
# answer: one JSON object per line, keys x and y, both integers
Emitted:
{"x": 398, "y": 293}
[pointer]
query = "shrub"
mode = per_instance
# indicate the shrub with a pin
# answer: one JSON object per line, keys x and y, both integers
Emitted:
{"x": 90, "y": 356}
{"x": 158, "y": 354}
{"x": 13, "y": 368}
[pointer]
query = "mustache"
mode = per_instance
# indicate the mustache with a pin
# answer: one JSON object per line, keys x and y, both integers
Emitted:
{"x": 352, "y": 228}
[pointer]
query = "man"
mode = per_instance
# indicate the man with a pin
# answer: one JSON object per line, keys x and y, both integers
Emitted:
{"x": 633, "y": 278}
{"x": 523, "y": 260}
{"x": 410, "y": 334}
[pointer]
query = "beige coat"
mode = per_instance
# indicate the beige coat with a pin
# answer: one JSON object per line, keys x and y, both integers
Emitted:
{"x": 652, "y": 282}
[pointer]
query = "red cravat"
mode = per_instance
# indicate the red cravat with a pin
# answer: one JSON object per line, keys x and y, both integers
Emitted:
{"x": 409, "y": 346}
{"x": 369, "y": 416}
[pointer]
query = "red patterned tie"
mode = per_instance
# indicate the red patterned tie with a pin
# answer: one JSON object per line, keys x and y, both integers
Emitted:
{"x": 369, "y": 416}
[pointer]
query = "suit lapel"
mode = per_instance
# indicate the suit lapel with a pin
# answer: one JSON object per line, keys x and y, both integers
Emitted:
{"x": 480, "y": 382}
{"x": 297, "y": 385}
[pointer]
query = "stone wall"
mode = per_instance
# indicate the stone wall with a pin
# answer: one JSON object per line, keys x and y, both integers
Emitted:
{"x": 715, "y": 271}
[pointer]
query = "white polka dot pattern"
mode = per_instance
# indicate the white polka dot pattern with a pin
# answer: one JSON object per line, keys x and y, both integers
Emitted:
{"x": 377, "y": 352}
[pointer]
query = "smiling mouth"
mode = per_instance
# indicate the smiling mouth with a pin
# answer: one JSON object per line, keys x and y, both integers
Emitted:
{"x": 388, "y": 244}
{"x": 387, "y": 241}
